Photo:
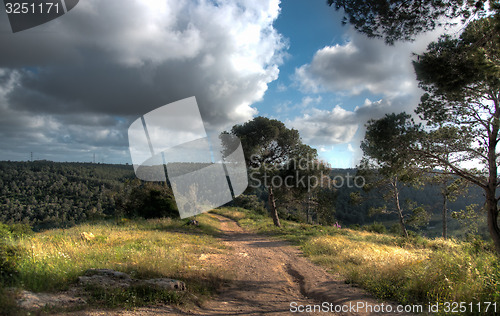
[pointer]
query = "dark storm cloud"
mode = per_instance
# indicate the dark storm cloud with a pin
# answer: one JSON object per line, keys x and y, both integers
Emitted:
{"x": 81, "y": 79}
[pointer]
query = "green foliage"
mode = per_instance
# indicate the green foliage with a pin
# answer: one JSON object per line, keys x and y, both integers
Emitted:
{"x": 46, "y": 194}
{"x": 9, "y": 252}
{"x": 461, "y": 77}
{"x": 387, "y": 163}
{"x": 275, "y": 153}
{"x": 418, "y": 217}
{"x": 267, "y": 141}
{"x": 395, "y": 229}
{"x": 150, "y": 200}
{"x": 375, "y": 228}
{"x": 9, "y": 256}
{"x": 469, "y": 218}
{"x": 19, "y": 230}
{"x": 404, "y": 19}
{"x": 386, "y": 141}
{"x": 250, "y": 202}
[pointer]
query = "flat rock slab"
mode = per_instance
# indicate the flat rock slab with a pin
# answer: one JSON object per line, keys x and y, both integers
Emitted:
{"x": 104, "y": 278}
{"x": 30, "y": 301}
{"x": 107, "y": 278}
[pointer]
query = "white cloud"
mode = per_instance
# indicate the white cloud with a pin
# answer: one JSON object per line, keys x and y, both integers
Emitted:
{"x": 323, "y": 127}
{"x": 120, "y": 59}
{"x": 363, "y": 65}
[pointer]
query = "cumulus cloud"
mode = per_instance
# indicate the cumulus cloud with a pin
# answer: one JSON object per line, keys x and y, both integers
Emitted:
{"x": 363, "y": 65}
{"x": 81, "y": 79}
{"x": 358, "y": 66}
{"x": 323, "y": 128}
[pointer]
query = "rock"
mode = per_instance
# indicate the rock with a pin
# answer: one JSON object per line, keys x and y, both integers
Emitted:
{"x": 107, "y": 272}
{"x": 107, "y": 278}
{"x": 104, "y": 278}
{"x": 193, "y": 222}
{"x": 165, "y": 284}
{"x": 29, "y": 300}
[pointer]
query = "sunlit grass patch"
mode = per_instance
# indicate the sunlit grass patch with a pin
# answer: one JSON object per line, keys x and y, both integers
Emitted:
{"x": 52, "y": 260}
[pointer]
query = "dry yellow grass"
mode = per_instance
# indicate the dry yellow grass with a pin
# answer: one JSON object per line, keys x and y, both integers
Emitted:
{"x": 156, "y": 248}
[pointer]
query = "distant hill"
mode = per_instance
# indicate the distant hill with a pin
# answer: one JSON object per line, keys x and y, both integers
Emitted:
{"x": 47, "y": 194}
{"x": 428, "y": 196}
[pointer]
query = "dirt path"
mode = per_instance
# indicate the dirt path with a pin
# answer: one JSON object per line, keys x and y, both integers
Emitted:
{"x": 270, "y": 275}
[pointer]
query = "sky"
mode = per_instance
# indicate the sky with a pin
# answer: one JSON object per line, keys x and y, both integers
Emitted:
{"x": 71, "y": 88}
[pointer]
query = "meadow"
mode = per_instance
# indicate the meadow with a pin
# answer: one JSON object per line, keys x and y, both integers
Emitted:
{"x": 52, "y": 260}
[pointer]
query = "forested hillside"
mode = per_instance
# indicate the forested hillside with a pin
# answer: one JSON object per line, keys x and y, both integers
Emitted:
{"x": 428, "y": 196}
{"x": 46, "y": 194}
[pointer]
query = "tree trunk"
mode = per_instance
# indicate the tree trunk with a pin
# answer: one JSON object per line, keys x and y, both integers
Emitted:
{"x": 272, "y": 207}
{"x": 398, "y": 208}
{"x": 492, "y": 209}
{"x": 445, "y": 217}
{"x": 308, "y": 208}
{"x": 491, "y": 189}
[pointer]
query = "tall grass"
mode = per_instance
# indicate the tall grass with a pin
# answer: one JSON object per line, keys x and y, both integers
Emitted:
{"x": 53, "y": 260}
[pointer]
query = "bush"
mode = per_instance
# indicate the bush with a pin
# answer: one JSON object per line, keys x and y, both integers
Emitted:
{"x": 355, "y": 227}
{"x": 20, "y": 230}
{"x": 396, "y": 229}
{"x": 375, "y": 228}
{"x": 9, "y": 256}
{"x": 250, "y": 202}
{"x": 150, "y": 200}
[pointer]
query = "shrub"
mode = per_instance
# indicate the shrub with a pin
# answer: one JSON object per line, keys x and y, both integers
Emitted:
{"x": 9, "y": 256}
{"x": 250, "y": 202}
{"x": 355, "y": 227}
{"x": 375, "y": 228}
{"x": 150, "y": 200}
{"x": 9, "y": 253}
{"x": 20, "y": 230}
{"x": 5, "y": 232}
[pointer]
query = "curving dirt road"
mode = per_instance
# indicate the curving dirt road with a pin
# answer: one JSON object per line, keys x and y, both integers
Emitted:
{"x": 271, "y": 274}
{"x": 272, "y": 278}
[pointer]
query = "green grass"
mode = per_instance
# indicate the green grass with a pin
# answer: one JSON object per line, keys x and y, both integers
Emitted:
{"x": 52, "y": 260}
{"x": 414, "y": 270}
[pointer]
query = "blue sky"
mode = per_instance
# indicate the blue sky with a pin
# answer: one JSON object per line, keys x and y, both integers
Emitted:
{"x": 308, "y": 26}
{"x": 72, "y": 87}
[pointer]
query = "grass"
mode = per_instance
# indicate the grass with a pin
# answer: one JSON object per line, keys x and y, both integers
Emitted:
{"x": 52, "y": 260}
{"x": 414, "y": 270}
